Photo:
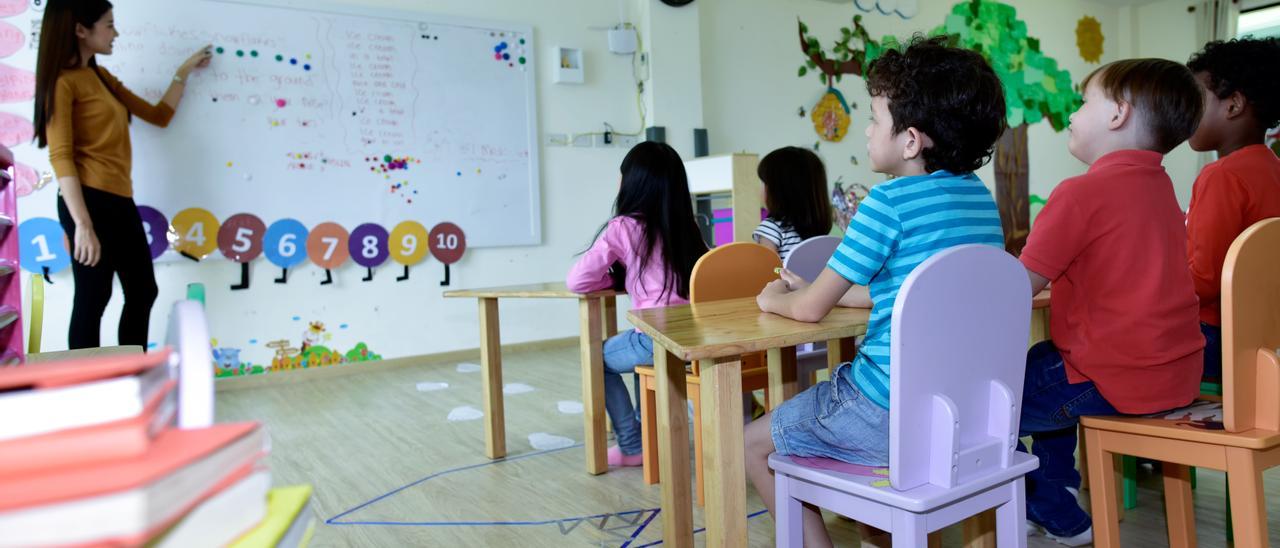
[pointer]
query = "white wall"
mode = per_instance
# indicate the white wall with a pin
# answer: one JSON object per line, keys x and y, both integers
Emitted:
{"x": 409, "y": 318}
{"x": 727, "y": 65}
{"x": 1165, "y": 29}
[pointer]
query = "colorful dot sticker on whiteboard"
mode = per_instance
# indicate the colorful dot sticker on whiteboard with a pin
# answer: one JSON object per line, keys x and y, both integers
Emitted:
{"x": 240, "y": 238}
{"x": 447, "y": 242}
{"x": 197, "y": 232}
{"x": 408, "y": 243}
{"x": 42, "y": 244}
{"x": 156, "y": 227}
{"x": 368, "y": 245}
{"x": 327, "y": 245}
{"x": 285, "y": 243}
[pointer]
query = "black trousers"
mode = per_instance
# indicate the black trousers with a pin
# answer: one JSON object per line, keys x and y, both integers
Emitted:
{"x": 125, "y": 253}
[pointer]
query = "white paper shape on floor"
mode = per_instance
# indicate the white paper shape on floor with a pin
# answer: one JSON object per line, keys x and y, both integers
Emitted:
{"x": 468, "y": 367}
{"x": 569, "y": 407}
{"x": 432, "y": 386}
{"x": 465, "y": 413}
{"x": 543, "y": 441}
{"x": 516, "y": 388}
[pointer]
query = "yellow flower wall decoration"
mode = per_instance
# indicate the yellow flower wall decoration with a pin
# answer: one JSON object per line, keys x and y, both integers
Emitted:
{"x": 1089, "y": 39}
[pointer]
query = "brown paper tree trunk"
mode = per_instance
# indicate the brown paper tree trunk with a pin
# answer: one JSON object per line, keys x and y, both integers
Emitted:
{"x": 1013, "y": 196}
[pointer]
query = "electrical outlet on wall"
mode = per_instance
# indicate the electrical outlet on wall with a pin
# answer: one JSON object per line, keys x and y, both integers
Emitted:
{"x": 582, "y": 141}
{"x": 556, "y": 140}
{"x": 625, "y": 141}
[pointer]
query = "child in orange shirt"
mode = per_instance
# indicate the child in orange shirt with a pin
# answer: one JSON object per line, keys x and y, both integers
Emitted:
{"x": 1241, "y": 101}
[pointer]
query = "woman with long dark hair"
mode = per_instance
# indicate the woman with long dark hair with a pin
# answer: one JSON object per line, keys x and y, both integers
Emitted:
{"x": 651, "y": 244}
{"x": 82, "y": 114}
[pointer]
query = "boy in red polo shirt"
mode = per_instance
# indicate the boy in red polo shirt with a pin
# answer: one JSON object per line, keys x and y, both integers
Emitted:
{"x": 1124, "y": 311}
{"x": 1241, "y": 101}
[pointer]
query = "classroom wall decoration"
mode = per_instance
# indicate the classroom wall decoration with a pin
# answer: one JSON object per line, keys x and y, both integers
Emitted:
{"x": 1035, "y": 89}
{"x": 310, "y": 348}
{"x": 830, "y": 115}
{"x": 845, "y": 202}
{"x": 321, "y": 113}
{"x": 242, "y": 238}
{"x": 905, "y": 9}
{"x": 1089, "y": 39}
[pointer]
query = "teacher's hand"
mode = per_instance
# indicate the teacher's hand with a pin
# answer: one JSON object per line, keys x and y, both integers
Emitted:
{"x": 199, "y": 59}
{"x": 88, "y": 251}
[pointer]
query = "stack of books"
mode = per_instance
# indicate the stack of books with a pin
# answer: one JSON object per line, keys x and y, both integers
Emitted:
{"x": 90, "y": 455}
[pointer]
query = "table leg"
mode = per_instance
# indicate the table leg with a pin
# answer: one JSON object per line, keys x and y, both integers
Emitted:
{"x": 590, "y": 350}
{"x": 1039, "y": 325}
{"x": 726, "y": 493}
{"x": 782, "y": 375}
{"x": 495, "y": 432}
{"x": 609, "y": 307}
{"x": 673, "y": 449}
{"x": 838, "y": 352}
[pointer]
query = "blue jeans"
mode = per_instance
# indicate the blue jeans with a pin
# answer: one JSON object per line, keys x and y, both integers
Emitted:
{"x": 1051, "y": 409}
{"x": 832, "y": 419}
{"x": 622, "y": 353}
{"x": 1212, "y": 350}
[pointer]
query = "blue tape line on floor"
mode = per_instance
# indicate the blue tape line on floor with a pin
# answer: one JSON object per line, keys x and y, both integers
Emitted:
{"x": 654, "y": 511}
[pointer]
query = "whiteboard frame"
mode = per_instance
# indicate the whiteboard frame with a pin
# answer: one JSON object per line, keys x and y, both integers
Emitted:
{"x": 531, "y": 83}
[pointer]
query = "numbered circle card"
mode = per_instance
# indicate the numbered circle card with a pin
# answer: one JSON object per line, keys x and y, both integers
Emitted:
{"x": 327, "y": 245}
{"x": 240, "y": 238}
{"x": 156, "y": 226}
{"x": 42, "y": 245}
{"x": 408, "y": 243}
{"x": 196, "y": 232}
{"x": 368, "y": 245}
{"x": 285, "y": 243}
{"x": 447, "y": 242}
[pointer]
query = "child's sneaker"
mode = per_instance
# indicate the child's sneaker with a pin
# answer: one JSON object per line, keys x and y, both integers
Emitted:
{"x": 616, "y": 458}
{"x": 1081, "y": 539}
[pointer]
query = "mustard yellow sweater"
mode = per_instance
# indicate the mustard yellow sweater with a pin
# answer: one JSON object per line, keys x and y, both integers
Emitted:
{"x": 89, "y": 131}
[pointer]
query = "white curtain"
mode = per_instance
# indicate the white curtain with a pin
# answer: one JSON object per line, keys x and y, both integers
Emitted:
{"x": 1215, "y": 20}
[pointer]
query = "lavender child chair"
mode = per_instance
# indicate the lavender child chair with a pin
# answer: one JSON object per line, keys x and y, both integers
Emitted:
{"x": 807, "y": 261}
{"x": 809, "y": 258}
{"x": 959, "y": 346}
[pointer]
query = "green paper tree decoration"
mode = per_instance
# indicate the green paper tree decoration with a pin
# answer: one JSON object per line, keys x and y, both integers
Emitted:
{"x": 1035, "y": 89}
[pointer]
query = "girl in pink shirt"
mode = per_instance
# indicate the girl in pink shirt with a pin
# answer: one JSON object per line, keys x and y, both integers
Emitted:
{"x": 648, "y": 248}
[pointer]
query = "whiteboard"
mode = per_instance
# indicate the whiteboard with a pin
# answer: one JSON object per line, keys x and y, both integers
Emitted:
{"x": 333, "y": 114}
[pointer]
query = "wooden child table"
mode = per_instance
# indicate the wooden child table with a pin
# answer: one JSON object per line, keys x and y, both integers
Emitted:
{"x": 598, "y": 320}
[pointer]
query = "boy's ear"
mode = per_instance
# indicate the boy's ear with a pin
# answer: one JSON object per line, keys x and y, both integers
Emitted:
{"x": 916, "y": 142}
{"x": 1121, "y": 115}
{"x": 1236, "y": 104}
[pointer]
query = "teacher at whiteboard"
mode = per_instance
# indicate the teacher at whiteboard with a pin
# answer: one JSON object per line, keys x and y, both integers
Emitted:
{"x": 82, "y": 113}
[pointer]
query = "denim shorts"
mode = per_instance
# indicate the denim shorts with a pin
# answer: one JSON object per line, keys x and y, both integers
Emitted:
{"x": 833, "y": 419}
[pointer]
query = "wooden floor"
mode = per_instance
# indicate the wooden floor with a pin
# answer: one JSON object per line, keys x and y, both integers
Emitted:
{"x": 390, "y": 469}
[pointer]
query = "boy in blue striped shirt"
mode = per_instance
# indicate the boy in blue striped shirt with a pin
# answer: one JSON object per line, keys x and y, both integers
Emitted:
{"x": 936, "y": 114}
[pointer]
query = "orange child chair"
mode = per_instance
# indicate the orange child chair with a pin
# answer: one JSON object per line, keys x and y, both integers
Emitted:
{"x": 1246, "y": 441}
{"x": 730, "y": 271}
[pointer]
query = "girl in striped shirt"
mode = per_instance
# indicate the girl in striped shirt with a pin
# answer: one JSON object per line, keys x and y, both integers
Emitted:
{"x": 795, "y": 193}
